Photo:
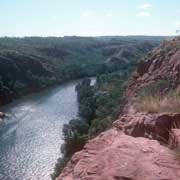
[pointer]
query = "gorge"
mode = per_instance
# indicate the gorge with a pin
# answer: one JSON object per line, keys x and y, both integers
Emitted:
{"x": 31, "y": 134}
{"x": 89, "y": 90}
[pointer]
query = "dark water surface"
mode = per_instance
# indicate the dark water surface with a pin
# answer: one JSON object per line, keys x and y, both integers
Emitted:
{"x": 30, "y": 136}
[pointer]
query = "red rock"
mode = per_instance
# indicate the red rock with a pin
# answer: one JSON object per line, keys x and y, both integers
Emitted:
{"x": 174, "y": 139}
{"x": 161, "y": 64}
{"x": 153, "y": 126}
{"x": 116, "y": 156}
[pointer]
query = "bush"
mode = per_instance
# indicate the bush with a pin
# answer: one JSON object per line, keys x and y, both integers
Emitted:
{"x": 74, "y": 139}
{"x": 75, "y": 136}
{"x": 99, "y": 125}
{"x": 85, "y": 93}
{"x": 61, "y": 162}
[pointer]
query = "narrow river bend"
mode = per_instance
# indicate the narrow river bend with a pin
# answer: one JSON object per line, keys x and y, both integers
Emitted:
{"x": 30, "y": 136}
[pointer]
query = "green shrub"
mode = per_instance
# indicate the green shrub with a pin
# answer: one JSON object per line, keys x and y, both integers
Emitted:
{"x": 60, "y": 164}
{"x": 99, "y": 125}
{"x": 75, "y": 136}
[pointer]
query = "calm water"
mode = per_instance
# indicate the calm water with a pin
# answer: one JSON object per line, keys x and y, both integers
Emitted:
{"x": 30, "y": 136}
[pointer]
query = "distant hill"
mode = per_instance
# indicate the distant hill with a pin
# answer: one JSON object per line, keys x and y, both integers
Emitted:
{"x": 30, "y": 63}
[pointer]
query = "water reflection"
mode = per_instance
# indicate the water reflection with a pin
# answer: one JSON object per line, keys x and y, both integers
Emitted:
{"x": 30, "y": 136}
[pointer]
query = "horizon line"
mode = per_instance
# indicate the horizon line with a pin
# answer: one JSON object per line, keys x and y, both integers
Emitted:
{"x": 88, "y": 36}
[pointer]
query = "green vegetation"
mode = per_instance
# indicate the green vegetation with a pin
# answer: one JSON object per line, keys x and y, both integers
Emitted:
{"x": 75, "y": 136}
{"x": 85, "y": 94}
{"x": 108, "y": 98}
{"x": 32, "y": 63}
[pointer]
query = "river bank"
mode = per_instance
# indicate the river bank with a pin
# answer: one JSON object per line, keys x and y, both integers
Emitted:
{"x": 33, "y": 90}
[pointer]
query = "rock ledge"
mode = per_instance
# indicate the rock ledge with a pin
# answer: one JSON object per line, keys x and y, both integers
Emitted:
{"x": 115, "y": 156}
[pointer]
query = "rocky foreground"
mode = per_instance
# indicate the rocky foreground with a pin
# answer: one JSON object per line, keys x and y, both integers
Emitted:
{"x": 113, "y": 155}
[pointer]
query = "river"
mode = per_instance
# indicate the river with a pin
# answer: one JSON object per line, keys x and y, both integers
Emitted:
{"x": 30, "y": 135}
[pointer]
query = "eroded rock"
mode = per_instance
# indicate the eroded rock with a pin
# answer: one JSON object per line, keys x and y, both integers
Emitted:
{"x": 174, "y": 138}
{"x": 116, "y": 156}
{"x": 163, "y": 63}
{"x": 152, "y": 126}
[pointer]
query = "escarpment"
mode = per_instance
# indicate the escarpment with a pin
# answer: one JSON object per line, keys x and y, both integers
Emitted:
{"x": 163, "y": 63}
{"x": 140, "y": 145}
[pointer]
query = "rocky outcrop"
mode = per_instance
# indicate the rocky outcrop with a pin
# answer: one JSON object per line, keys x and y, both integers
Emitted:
{"x": 163, "y": 63}
{"x": 174, "y": 138}
{"x": 116, "y": 156}
{"x": 152, "y": 126}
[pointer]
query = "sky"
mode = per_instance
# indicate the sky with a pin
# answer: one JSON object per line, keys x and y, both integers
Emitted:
{"x": 89, "y": 17}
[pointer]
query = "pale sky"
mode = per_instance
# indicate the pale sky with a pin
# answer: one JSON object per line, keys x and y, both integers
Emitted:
{"x": 89, "y": 17}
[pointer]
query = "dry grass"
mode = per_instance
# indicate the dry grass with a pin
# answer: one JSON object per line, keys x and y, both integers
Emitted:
{"x": 158, "y": 104}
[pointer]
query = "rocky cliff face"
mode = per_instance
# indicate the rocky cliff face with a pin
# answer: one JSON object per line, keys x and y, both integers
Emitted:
{"x": 113, "y": 155}
{"x": 137, "y": 147}
{"x": 163, "y": 63}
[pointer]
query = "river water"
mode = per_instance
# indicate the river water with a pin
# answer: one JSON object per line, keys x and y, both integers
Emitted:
{"x": 30, "y": 135}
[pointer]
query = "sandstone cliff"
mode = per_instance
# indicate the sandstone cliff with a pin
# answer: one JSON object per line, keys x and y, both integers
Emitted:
{"x": 138, "y": 146}
{"x": 162, "y": 63}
